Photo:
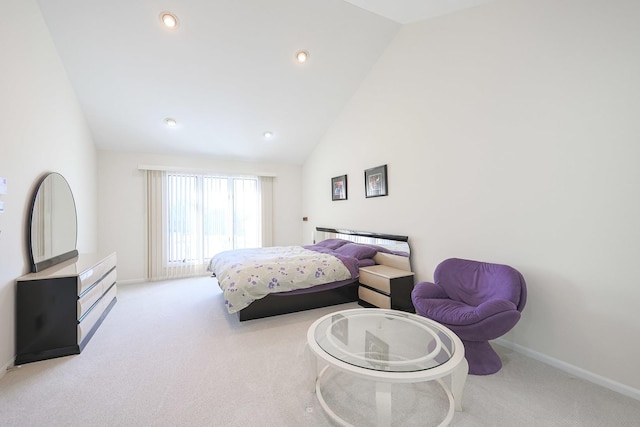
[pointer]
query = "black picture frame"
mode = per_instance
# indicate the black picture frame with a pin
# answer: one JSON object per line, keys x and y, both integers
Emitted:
{"x": 339, "y": 187}
{"x": 375, "y": 182}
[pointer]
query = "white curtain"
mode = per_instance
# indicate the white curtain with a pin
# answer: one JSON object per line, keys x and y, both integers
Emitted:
{"x": 154, "y": 223}
{"x": 266, "y": 205}
{"x": 159, "y": 225}
{"x": 172, "y": 248}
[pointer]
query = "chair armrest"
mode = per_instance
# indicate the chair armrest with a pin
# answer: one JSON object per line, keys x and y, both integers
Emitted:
{"x": 493, "y": 307}
{"x": 428, "y": 290}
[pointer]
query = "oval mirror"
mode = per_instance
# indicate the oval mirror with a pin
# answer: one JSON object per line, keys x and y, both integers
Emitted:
{"x": 53, "y": 228}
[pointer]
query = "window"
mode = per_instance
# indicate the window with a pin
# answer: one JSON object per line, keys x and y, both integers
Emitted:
{"x": 192, "y": 217}
{"x": 209, "y": 214}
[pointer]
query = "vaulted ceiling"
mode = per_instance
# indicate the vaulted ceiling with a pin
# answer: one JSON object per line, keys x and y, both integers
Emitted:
{"x": 227, "y": 73}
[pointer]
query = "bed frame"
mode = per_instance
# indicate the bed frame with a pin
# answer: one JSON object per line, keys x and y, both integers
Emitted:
{"x": 290, "y": 302}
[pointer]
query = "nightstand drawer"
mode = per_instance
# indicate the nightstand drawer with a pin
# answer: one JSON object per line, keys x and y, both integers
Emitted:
{"x": 386, "y": 287}
{"x": 375, "y": 281}
{"x": 373, "y": 297}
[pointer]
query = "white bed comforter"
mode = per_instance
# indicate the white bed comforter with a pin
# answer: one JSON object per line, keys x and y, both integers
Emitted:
{"x": 245, "y": 275}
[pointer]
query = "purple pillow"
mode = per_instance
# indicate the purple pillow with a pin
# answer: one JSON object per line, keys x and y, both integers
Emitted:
{"x": 381, "y": 249}
{"x": 367, "y": 262}
{"x": 332, "y": 243}
{"x": 357, "y": 251}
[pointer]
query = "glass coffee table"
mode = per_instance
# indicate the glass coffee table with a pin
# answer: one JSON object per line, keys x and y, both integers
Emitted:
{"x": 388, "y": 346}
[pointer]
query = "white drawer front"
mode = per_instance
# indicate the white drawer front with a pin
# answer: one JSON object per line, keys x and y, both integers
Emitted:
{"x": 90, "y": 319}
{"x": 373, "y": 297}
{"x": 93, "y": 315}
{"x": 375, "y": 281}
{"x": 88, "y": 299}
{"x": 93, "y": 274}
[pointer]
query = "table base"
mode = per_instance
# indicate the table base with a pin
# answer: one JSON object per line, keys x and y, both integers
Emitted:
{"x": 383, "y": 399}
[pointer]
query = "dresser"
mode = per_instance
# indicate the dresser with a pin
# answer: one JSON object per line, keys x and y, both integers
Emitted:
{"x": 60, "y": 308}
{"x": 386, "y": 287}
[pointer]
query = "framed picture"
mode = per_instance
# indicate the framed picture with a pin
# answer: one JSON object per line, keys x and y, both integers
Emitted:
{"x": 375, "y": 181}
{"x": 339, "y": 188}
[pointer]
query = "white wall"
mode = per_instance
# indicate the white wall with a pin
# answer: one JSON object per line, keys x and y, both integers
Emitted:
{"x": 122, "y": 206}
{"x": 511, "y": 134}
{"x": 42, "y": 129}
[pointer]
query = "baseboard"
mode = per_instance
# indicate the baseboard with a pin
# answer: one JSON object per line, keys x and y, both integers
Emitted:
{"x": 573, "y": 370}
{"x": 130, "y": 281}
{"x": 5, "y": 368}
{"x": 135, "y": 281}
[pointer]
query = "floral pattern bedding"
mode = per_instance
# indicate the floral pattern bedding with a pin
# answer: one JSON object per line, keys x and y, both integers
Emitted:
{"x": 245, "y": 275}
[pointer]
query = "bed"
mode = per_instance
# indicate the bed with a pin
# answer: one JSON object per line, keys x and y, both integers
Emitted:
{"x": 262, "y": 282}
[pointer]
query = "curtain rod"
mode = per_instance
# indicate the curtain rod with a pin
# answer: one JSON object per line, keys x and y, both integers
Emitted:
{"x": 199, "y": 170}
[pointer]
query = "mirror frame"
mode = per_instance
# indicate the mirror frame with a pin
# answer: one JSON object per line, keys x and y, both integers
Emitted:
{"x": 37, "y": 266}
{"x": 393, "y": 242}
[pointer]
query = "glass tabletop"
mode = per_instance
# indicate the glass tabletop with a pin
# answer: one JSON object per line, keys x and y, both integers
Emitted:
{"x": 384, "y": 340}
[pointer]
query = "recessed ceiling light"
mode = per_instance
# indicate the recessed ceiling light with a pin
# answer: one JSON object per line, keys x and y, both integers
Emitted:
{"x": 302, "y": 56}
{"x": 169, "y": 20}
{"x": 171, "y": 122}
{"x": 268, "y": 134}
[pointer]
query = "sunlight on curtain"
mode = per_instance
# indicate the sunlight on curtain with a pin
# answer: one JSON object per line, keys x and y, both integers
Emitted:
{"x": 266, "y": 208}
{"x": 154, "y": 224}
{"x": 246, "y": 213}
{"x": 173, "y": 227}
{"x": 217, "y": 224}
{"x": 184, "y": 220}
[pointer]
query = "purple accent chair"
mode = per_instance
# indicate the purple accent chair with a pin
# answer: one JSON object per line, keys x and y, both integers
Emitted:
{"x": 478, "y": 301}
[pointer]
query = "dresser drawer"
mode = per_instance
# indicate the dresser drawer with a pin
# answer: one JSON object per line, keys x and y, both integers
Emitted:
{"x": 92, "y": 317}
{"x": 373, "y": 297}
{"x": 93, "y": 274}
{"x": 375, "y": 281}
{"x": 93, "y": 294}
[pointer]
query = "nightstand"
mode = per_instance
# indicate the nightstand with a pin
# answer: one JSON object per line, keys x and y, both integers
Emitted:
{"x": 386, "y": 287}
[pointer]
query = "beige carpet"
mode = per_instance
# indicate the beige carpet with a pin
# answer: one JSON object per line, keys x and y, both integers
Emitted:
{"x": 169, "y": 355}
